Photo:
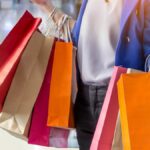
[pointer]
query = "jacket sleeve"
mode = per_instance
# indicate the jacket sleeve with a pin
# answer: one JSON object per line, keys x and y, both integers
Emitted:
{"x": 77, "y": 26}
{"x": 146, "y": 34}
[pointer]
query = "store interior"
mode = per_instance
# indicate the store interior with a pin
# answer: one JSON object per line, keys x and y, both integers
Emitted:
{"x": 11, "y": 11}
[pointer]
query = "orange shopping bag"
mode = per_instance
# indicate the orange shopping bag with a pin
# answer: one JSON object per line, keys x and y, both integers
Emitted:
{"x": 134, "y": 95}
{"x": 60, "y": 108}
{"x": 60, "y": 104}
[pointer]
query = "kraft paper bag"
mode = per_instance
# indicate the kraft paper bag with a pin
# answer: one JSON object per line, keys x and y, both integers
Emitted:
{"x": 60, "y": 108}
{"x": 11, "y": 50}
{"x": 26, "y": 85}
{"x": 117, "y": 141}
{"x": 74, "y": 77}
{"x": 39, "y": 132}
{"x": 104, "y": 132}
{"x": 134, "y": 95}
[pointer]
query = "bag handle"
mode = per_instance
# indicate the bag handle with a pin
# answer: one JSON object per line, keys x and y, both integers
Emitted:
{"x": 147, "y": 64}
{"x": 63, "y": 28}
{"x": 50, "y": 16}
{"x": 66, "y": 28}
{"x": 52, "y": 13}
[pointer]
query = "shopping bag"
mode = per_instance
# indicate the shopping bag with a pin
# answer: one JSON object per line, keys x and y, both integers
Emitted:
{"x": 117, "y": 140}
{"x": 60, "y": 104}
{"x": 63, "y": 138}
{"x": 104, "y": 132}
{"x": 11, "y": 50}
{"x": 58, "y": 138}
{"x": 39, "y": 133}
{"x": 26, "y": 85}
{"x": 60, "y": 108}
{"x": 134, "y": 95}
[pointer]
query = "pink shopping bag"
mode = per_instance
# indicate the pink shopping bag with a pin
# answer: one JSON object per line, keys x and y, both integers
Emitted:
{"x": 104, "y": 133}
{"x": 105, "y": 129}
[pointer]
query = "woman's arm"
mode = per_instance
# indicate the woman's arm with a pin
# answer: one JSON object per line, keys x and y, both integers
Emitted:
{"x": 48, "y": 7}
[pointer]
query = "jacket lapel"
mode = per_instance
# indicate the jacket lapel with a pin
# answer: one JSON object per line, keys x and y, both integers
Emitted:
{"x": 127, "y": 10}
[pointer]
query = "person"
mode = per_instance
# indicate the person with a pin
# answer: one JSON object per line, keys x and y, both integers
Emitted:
{"x": 106, "y": 33}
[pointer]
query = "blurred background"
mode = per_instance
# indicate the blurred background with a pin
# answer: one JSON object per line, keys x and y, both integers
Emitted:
{"x": 11, "y": 10}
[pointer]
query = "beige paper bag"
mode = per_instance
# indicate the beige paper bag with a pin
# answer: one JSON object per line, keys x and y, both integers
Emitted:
{"x": 117, "y": 141}
{"x": 16, "y": 113}
{"x": 74, "y": 77}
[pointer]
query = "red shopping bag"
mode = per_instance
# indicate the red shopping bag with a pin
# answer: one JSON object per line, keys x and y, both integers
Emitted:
{"x": 11, "y": 50}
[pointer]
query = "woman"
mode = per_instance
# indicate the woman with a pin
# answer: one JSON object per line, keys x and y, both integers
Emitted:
{"x": 110, "y": 32}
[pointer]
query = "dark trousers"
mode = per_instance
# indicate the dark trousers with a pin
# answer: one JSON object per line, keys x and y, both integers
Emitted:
{"x": 87, "y": 109}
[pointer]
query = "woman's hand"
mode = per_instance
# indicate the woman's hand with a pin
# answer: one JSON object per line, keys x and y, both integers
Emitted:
{"x": 40, "y": 2}
{"x": 48, "y": 7}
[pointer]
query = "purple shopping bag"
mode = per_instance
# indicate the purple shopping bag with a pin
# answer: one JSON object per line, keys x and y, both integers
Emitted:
{"x": 58, "y": 138}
